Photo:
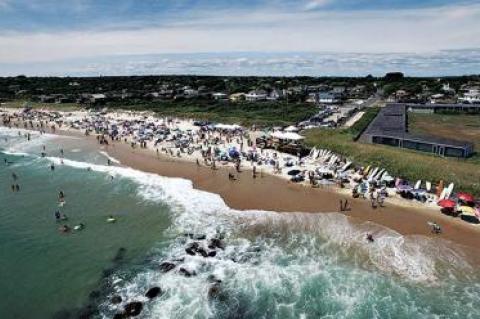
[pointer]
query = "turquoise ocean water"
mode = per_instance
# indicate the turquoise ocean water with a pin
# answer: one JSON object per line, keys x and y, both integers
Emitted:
{"x": 270, "y": 266}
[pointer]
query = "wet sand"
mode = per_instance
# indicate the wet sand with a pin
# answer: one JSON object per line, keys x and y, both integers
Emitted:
{"x": 275, "y": 194}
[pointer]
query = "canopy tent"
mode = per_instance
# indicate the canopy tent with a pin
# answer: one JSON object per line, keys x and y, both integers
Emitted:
{"x": 291, "y": 128}
{"x": 447, "y": 203}
{"x": 466, "y": 210}
{"x": 287, "y": 136}
{"x": 228, "y": 127}
{"x": 466, "y": 197}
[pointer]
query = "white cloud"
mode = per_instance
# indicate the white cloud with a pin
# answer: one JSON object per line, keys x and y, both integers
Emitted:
{"x": 315, "y": 4}
{"x": 424, "y": 30}
{"x": 4, "y": 4}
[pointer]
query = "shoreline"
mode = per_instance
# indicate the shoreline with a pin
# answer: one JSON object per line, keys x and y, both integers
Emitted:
{"x": 274, "y": 193}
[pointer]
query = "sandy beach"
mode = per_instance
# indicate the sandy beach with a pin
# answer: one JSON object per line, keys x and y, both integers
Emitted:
{"x": 275, "y": 194}
{"x": 269, "y": 192}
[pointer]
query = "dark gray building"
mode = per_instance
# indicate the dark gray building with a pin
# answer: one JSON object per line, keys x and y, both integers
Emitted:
{"x": 390, "y": 127}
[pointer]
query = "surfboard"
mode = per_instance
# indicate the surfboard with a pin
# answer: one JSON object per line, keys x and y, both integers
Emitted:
{"x": 449, "y": 190}
{"x": 428, "y": 186}
{"x": 418, "y": 184}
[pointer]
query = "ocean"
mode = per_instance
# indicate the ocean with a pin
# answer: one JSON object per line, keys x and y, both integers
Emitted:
{"x": 261, "y": 264}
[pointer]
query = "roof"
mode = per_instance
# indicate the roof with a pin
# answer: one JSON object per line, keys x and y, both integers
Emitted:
{"x": 391, "y": 122}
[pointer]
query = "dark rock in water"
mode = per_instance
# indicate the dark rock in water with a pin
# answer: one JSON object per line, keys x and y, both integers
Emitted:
{"x": 215, "y": 292}
{"x": 167, "y": 266}
{"x": 133, "y": 309}
{"x": 216, "y": 243}
{"x": 186, "y": 272}
{"x": 94, "y": 294}
{"x": 194, "y": 245}
{"x": 107, "y": 272}
{"x": 120, "y": 255}
{"x": 212, "y": 278}
{"x": 190, "y": 251}
{"x": 87, "y": 312}
{"x": 196, "y": 236}
{"x": 202, "y": 252}
{"x": 116, "y": 300}
{"x": 212, "y": 253}
{"x": 120, "y": 315}
{"x": 153, "y": 292}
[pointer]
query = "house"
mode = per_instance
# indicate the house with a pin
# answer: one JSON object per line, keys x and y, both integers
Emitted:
{"x": 255, "y": 96}
{"x": 275, "y": 95}
{"x": 237, "y": 97}
{"x": 471, "y": 96}
{"x": 91, "y": 98}
{"x": 190, "y": 93}
{"x": 390, "y": 127}
{"x": 219, "y": 96}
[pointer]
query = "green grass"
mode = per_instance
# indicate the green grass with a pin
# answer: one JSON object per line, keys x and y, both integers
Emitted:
{"x": 399, "y": 162}
{"x": 36, "y": 105}
{"x": 264, "y": 113}
{"x": 361, "y": 125}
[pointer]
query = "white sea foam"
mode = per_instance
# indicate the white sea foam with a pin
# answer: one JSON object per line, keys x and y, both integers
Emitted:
{"x": 112, "y": 159}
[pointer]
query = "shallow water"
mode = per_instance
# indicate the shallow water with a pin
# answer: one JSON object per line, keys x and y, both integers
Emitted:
{"x": 272, "y": 265}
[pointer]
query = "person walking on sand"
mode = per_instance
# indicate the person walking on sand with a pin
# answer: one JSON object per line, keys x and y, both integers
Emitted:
{"x": 373, "y": 199}
{"x": 254, "y": 171}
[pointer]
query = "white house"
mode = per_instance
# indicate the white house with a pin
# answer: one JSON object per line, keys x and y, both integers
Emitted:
{"x": 219, "y": 96}
{"x": 472, "y": 96}
{"x": 255, "y": 96}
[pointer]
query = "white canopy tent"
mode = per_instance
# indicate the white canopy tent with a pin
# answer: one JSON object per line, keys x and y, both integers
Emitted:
{"x": 228, "y": 127}
{"x": 287, "y": 136}
{"x": 291, "y": 128}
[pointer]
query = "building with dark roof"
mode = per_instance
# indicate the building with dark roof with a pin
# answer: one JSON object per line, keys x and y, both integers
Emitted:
{"x": 443, "y": 108}
{"x": 390, "y": 127}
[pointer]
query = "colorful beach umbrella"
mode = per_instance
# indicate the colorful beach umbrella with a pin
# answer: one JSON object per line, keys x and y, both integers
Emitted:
{"x": 447, "y": 203}
{"x": 467, "y": 210}
{"x": 466, "y": 197}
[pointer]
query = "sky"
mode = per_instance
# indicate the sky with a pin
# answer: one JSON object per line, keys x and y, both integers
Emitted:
{"x": 249, "y": 37}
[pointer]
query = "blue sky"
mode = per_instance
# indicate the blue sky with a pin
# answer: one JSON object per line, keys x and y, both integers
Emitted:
{"x": 64, "y": 37}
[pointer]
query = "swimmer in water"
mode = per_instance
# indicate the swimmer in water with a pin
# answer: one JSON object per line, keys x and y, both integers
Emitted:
{"x": 370, "y": 238}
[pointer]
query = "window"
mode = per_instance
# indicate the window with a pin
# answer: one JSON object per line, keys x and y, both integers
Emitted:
{"x": 453, "y": 152}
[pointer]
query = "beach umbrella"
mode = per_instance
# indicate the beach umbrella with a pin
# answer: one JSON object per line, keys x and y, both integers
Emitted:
{"x": 447, "y": 203}
{"x": 469, "y": 214}
{"x": 467, "y": 210}
{"x": 294, "y": 172}
{"x": 233, "y": 153}
{"x": 466, "y": 197}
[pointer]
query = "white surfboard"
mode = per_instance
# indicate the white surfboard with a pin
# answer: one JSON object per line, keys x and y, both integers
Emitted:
{"x": 418, "y": 184}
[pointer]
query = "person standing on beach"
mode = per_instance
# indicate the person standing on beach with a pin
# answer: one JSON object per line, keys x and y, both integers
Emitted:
{"x": 373, "y": 199}
{"x": 254, "y": 173}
